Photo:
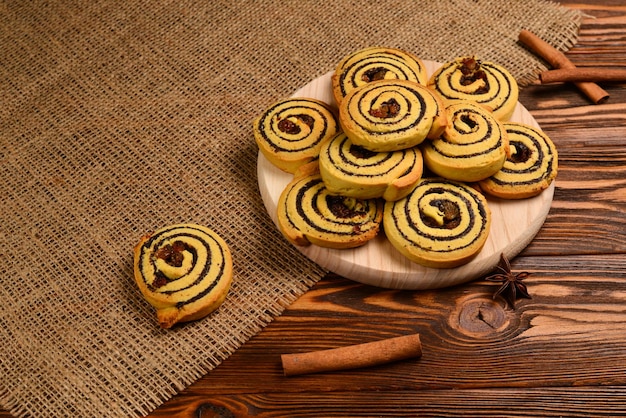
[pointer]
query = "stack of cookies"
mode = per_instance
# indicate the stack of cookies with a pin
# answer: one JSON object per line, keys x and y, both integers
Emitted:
{"x": 402, "y": 152}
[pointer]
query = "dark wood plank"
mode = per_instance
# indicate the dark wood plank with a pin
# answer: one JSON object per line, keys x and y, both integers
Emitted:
{"x": 574, "y": 323}
{"x": 545, "y": 402}
{"x": 570, "y": 334}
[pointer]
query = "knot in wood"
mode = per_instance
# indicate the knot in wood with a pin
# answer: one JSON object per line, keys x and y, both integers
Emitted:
{"x": 479, "y": 316}
{"x": 208, "y": 410}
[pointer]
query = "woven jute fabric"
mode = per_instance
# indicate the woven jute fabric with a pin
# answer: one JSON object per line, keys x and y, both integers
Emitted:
{"x": 120, "y": 117}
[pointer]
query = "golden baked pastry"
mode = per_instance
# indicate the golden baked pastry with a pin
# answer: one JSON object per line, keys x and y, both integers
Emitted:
{"x": 391, "y": 115}
{"x": 375, "y": 63}
{"x": 353, "y": 171}
{"x": 184, "y": 271}
{"x": 473, "y": 146}
{"x": 440, "y": 224}
{"x": 309, "y": 214}
{"x": 487, "y": 83}
{"x": 530, "y": 168}
{"x": 291, "y": 132}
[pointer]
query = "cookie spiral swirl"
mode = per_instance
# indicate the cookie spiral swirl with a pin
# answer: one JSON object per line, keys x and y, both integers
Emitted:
{"x": 184, "y": 271}
{"x": 391, "y": 115}
{"x": 291, "y": 132}
{"x": 376, "y": 63}
{"x": 531, "y": 167}
{"x": 308, "y": 214}
{"x": 487, "y": 83}
{"x": 440, "y": 224}
{"x": 473, "y": 147}
{"x": 351, "y": 170}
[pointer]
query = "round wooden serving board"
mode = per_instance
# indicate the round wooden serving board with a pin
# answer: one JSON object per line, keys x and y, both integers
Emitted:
{"x": 514, "y": 224}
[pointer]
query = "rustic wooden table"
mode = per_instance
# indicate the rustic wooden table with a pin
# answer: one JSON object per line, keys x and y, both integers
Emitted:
{"x": 561, "y": 353}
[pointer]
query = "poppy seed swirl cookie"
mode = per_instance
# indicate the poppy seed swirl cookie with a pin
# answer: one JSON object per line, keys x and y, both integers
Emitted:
{"x": 473, "y": 147}
{"x": 308, "y": 214}
{"x": 375, "y": 63}
{"x": 391, "y": 115}
{"x": 351, "y": 170}
{"x": 531, "y": 167}
{"x": 291, "y": 132}
{"x": 184, "y": 271}
{"x": 487, "y": 83}
{"x": 440, "y": 224}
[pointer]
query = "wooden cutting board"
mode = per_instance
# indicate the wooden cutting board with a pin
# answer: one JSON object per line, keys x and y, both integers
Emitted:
{"x": 514, "y": 224}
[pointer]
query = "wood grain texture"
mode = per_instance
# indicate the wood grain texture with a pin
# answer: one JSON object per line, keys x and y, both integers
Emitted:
{"x": 563, "y": 346}
{"x": 545, "y": 402}
{"x": 561, "y": 353}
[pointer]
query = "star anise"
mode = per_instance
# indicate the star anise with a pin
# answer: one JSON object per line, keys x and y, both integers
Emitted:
{"x": 512, "y": 287}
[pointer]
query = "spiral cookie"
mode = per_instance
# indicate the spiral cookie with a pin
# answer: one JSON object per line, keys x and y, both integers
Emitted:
{"x": 486, "y": 83}
{"x": 390, "y": 115}
{"x": 291, "y": 132}
{"x": 531, "y": 167}
{"x": 473, "y": 147}
{"x": 440, "y": 224}
{"x": 309, "y": 214}
{"x": 376, "y": 63}
{"x": 351, "y": 170}
{"x": 184, "y": 271}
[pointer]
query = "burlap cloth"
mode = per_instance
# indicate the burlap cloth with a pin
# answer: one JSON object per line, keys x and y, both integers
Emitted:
{"x": 119, "y": 117}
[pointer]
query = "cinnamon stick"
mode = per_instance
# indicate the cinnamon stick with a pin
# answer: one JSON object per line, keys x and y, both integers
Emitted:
{"x": 558, "y": 60}
{"x": 353, "y": 356}
{"x": 582, "y": 74}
